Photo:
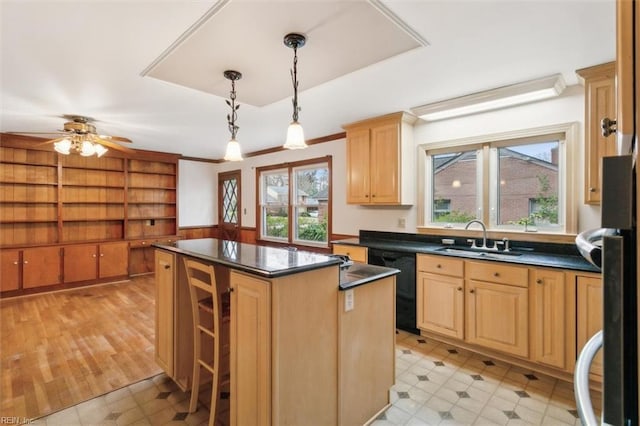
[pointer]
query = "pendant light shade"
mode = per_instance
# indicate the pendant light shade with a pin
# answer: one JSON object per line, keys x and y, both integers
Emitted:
{"x": 63, "y": 146}
{"x": 233, "y": 152}
{"x": 295, "y": 133}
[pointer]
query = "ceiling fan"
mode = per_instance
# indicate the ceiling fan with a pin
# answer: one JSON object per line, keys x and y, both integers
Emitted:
{"x": 79, "y": 135}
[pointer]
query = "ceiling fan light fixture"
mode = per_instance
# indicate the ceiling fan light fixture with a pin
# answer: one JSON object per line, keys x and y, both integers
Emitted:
{"x": 87, "y": 149}
{"x": 233, "y": 152}
{"x": 63, "y": 146}
{"x": 295, "y": 133}
{"x": 100, "y": 150}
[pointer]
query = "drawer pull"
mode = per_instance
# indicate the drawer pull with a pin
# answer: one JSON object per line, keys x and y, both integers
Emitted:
{"x": 459, "y": 288}
{"x": 438, "y": 266}
{"x": 539, "y": 281}
{"x": 496, "y": 274}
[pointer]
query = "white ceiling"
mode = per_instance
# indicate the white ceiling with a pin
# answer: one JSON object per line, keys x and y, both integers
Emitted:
{"x": 86, "y": 57}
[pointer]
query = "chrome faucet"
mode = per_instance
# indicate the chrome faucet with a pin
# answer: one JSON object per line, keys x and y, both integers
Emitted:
{"x": 484, "y": 235}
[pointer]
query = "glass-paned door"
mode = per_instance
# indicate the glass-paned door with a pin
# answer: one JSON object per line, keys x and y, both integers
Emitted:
{"x": 229, "y": 205}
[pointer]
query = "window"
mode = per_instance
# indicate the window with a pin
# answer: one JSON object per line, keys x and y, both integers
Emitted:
{"x": 515, "y": 183}
{"x": 294, "y": 202}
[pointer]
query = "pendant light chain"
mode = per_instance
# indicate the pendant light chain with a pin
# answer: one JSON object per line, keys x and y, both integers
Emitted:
{"x": 231, "y": 118}
{"x": 294, "y": 79}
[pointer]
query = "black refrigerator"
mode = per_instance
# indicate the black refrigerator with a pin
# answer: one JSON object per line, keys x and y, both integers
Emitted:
{"x": 614, "y": 248}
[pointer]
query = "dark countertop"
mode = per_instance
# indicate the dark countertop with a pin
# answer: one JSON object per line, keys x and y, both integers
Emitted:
{"x": 554, "y": 258}
{"x": 272, "y": 262}
{"x": 360, "y": 273}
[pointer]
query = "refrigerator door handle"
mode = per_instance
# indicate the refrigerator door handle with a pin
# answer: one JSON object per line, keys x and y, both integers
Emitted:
{"x": 581, "y": 380}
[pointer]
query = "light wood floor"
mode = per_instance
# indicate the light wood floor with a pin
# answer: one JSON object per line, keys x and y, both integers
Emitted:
{"x": 62, "y": 348}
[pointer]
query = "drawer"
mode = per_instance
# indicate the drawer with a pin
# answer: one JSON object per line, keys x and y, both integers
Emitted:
{"x": 141, "y": 243}
{"x": 356, "y": 253}
{"x": 440, "y": 265}
{"x": 498, "y": 273}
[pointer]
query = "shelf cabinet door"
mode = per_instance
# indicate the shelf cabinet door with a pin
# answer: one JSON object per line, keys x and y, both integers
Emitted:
{"x": 550, "y": 326}
{"x": 80, "y": 262}
{"x": 441, "y": 304}
{"x": 385, "y": 164}
{"x": 358, "y": 167}
{"x": 497, "y": 317}
{"x": 165, "y": 288}
{"x": 41, "y": 267}
{"x": 113, "y": 260}
{"x": 10, "y": 272}
{"x": 600, "y": 102}
{"x": 251, "y": 348}
{"x": 589, "y": 315}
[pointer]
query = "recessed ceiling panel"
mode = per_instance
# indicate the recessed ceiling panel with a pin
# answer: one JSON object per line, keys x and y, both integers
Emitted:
{"x": 247, "y": 36}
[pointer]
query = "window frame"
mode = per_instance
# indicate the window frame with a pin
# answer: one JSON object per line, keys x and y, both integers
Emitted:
{"x": 292, "y": 205}
{"x": 565, "y": 133}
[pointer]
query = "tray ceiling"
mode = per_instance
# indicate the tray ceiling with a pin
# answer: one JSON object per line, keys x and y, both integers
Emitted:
{"x": 247, "y": 36}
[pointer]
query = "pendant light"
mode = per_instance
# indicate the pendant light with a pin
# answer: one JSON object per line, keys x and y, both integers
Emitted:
{"x": 233, "y": 147}
{"x": 295, "y": 133}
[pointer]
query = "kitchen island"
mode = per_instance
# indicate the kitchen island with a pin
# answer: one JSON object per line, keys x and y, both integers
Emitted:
{"x": 311, "y": 342}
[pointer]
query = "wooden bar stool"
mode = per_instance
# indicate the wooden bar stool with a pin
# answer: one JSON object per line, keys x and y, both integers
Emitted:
{"x": 210, "y": 311}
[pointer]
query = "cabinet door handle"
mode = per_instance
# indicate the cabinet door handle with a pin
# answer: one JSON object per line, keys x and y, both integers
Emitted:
{"x": 366, "y": 196}
{"x": 25, "y": 262}
{"x": 93, "y": 255}
{"x": 373, "y": 196}
{"x": 460, "y": 289}
{"x": 472, "y": 291}
{"x": 101, "y": 254}
{"x": 230, "y": 289}
{"x": 15, "y": 262}
{"x": 592, "y": 189}
{"x": 539, "y": 281}
{"x": 167, "y": 266}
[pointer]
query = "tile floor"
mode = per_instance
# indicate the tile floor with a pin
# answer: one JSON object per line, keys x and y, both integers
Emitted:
{"x": 436, "y": 384}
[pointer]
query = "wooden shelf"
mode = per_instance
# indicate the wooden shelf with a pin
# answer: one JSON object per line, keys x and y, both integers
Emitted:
{"x": 27, "y": 202}
{"x": 171, "y": 203}
{"x": 102, "y": 169}
{"x": 95, "y": 219}
{"x": 151, "y": 173}
{"x": 169, "y": 188}
{"x": 80, "y": 185}
{"x": 4, "y": 182}
{"x": 28, "y": 220}
{"x": 94, "y": 202}
{"x": 151, "y": 218}
{"x": 28, "y": 163}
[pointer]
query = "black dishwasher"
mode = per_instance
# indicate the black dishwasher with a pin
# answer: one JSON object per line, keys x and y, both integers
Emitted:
{"x": 405, "y": 284}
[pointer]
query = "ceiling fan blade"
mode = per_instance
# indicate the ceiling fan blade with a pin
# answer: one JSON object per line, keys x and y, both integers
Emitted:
{"x": 36, "y": 133}
{"x": 115, "y": 138}
{"x": 113, "y": 145}
{"x": 50, "y": 141}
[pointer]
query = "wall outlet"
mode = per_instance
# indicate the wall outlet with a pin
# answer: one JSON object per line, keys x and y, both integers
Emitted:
{"x": 349, "y": 300}
{"x": 402, "y": 222}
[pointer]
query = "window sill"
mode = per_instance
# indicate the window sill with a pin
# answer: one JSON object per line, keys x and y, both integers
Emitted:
{"x": 280, "y": 244}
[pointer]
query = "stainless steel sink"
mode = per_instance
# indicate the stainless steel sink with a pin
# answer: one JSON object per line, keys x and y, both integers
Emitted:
{"x": 467, "y": 251}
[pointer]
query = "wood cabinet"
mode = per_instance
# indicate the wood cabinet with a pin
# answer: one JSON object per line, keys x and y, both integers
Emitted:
{"x": 165, "y": 274}
{"x": 553, "y": 318}
{"x": 498, "y": 317}
{"x": 251, "y": 347}
{"x": 600, "y": 102}
{"x": 11, "y": 269}
{"x": 440, "y": 297}
{"x": 589, "y": 316}
{"x": 41, "y": 266}
{"x": 49, "y": 199}
{"x": 85, "y": 262}
{"x": 381, "y": 160}
{"x": 355, "y": 253}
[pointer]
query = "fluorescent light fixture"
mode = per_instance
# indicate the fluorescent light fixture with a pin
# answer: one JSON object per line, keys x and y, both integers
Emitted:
{"x": 502, "y": 97}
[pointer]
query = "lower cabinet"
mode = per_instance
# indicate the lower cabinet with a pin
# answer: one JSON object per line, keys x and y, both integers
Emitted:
{"x": 86, "y": 262}
{"x": 41, "y": 266}
{"x": 498, "y": 317}
{"x": 10, "y": 269}
{"x": 251, "y": 339}
{"x": 589, "y": 315}
{"x": 165, "y": 266}
{"x": 355, "y": 253}
{"x": 529, "y": 313}
{"x": 553, "y": 318}
{"x": 440, "y": 301}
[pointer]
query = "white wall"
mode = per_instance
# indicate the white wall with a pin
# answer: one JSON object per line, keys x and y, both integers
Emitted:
{"x": 198, "y": 181}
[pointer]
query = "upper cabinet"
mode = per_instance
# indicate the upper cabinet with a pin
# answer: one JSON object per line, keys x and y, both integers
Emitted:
{"x": 600, "y": 102}
{"x": 381, "y": 160}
